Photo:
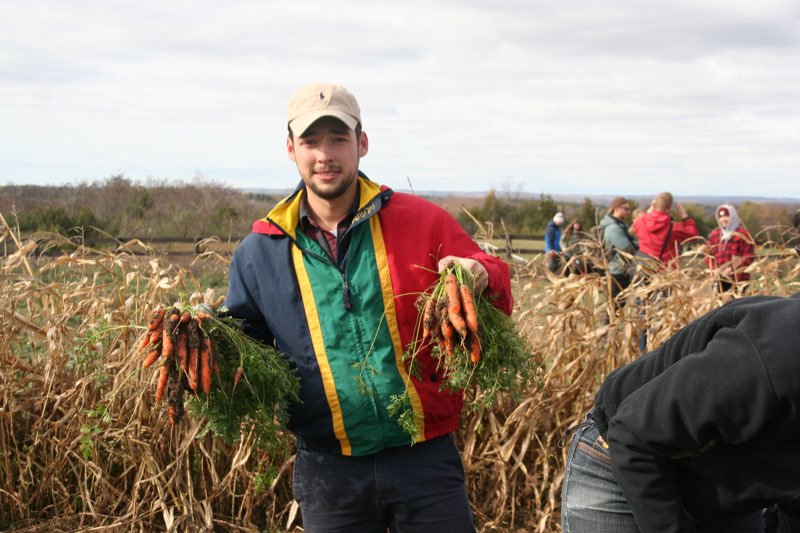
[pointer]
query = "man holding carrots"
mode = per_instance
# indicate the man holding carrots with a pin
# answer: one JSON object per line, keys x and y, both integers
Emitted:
{"x": 332, "y": 276}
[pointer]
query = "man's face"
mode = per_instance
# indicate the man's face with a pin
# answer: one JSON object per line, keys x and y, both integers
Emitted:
{"x": 723, "y": 220}
{"x": 327, "y": 157}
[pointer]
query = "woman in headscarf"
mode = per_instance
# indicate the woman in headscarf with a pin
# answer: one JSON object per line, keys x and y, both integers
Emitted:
{"x": 732, "y": 248}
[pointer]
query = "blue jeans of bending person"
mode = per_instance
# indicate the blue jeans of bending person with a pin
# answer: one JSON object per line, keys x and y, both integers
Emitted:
{"x": 409, "y": 489}
{"x": 592, "y": 502}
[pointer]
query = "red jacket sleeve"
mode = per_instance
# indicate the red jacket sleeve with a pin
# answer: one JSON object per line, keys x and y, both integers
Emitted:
{"x": 685, "y": 229}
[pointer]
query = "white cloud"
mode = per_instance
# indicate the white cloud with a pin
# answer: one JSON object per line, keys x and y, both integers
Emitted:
{"x": 618, "y": 97}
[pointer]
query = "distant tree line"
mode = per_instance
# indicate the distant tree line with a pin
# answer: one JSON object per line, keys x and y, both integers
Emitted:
{"x": 117, "y": 206}
{"x": 531, "y": 215}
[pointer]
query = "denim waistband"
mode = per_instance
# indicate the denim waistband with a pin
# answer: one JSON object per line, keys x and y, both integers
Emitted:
{"x": 587, "y": 421}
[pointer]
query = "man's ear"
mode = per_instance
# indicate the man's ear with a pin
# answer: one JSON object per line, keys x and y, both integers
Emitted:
{"x": 290, "y": 148}
{"x": 363, "y": 145}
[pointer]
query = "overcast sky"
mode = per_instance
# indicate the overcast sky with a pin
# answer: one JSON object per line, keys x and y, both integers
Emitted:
{"x": 584, "y": 97}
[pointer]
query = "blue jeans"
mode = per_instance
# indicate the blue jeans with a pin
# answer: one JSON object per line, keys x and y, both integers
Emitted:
{"x": 409, "y": 489}
{"x": 592, "y": 502}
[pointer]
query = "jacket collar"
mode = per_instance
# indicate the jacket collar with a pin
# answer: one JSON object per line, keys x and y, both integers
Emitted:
{"x": 284, "y": 217}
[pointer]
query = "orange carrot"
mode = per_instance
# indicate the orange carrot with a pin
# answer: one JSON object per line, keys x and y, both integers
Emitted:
{"x": 158, "y": 317}
{"x": 155, "y": 335}
{"x": 475, "y": 353}
{"x": 218, "y": 302}
{"x": 470, "y": 313}
{"x": 151, "y": 358}
{"x": 205, "y": 365}
{"x": 442, "y": 347}
{"x": 237, "y": 377}
{"x": 145, "y": 340}
{"x": 167, "y": 345}
{"x": 169, "y": 329}
{"x": 454, "y": 304}
{"x": 182, "y": 349}
{"x": 163, "y": 378}
{"x": 202, "y": 315}
{"x": 186, "y": 316}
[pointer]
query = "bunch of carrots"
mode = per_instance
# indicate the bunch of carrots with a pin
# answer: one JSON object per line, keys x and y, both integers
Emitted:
{"x": 450, "y": 317}
{"x": 231, "y": 381}
{"x": 478, "y": 348}
{"x": 180, "y": 340}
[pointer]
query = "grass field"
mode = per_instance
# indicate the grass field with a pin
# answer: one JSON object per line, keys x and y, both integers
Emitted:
{"x": 84, "y": 448}
{"x": 537, "y": 245}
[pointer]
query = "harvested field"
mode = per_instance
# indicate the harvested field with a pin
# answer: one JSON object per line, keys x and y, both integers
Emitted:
{"x": 83, "y": 449}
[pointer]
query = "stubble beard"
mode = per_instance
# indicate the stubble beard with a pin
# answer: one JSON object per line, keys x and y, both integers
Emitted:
{"x": 334, "y": 192}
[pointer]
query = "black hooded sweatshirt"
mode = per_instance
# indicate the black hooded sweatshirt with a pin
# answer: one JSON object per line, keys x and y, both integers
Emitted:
{"x": 708, "y": 424}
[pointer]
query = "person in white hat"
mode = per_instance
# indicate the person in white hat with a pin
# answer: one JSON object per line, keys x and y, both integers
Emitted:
{"x": 552, "y": 242}
{"x": 732, "y": 249}
{"x": 331, "y": 276}
{"x": 552, "y": 234}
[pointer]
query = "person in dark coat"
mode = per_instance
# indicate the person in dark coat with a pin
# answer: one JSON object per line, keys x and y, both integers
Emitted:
{"x": 700, "y": 434}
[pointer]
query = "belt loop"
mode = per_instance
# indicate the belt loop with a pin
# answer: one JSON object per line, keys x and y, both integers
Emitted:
{"x": 587, "y": 421}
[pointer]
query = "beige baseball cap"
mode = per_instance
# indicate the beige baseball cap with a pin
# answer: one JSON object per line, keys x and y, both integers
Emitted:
{"x": 312, "y": 102}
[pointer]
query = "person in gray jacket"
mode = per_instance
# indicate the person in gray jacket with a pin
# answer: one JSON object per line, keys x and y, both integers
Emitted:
{"x": 616, "y": 237}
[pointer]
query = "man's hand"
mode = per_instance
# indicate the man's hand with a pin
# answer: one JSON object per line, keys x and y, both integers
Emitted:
{"x": 474, "y": 267}
{"x": 680, "y": 212}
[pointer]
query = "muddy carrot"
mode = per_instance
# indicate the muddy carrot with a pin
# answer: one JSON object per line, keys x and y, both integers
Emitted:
{"x": 428, "y": 319}
{"x": 447, "y": 331}
{"x": 155, "y": 336}
{"x": 174, "y": 393}
{"x": 186, "y": 316}
{"x": 454, "y": 304}
{"x": 194, "y": 353}
{"x": 470, "y": 313}
{"x": 158, "y": 317}
{"x": 475, "y": 349}
{"x": 163, "y": 378}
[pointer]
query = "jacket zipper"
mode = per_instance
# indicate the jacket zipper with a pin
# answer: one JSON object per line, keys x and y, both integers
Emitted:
{"x": 343, "y": 272}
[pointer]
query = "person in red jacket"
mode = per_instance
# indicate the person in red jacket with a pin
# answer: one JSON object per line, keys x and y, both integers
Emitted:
{"x": 659, "y": 235}
{"x": 732, "y": 248}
